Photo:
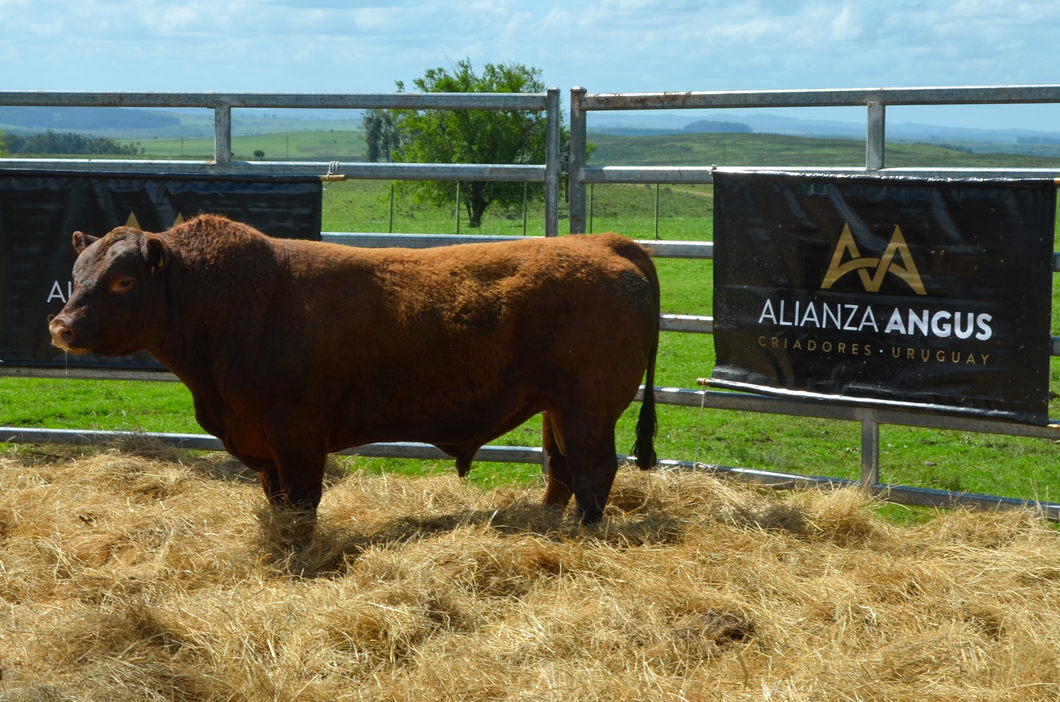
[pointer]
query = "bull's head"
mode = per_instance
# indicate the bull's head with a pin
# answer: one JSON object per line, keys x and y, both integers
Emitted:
{"x": 112, "y": 307}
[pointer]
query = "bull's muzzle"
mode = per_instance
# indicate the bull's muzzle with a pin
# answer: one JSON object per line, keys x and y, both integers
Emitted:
{"x": 63, "y": 336}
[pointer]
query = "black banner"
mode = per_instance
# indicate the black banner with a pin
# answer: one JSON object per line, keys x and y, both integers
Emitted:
{"x": 894, "y": 290}
{"x": 40, "y": 212}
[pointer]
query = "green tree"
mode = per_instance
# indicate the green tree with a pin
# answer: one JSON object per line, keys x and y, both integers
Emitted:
{"x": 382, "y": 138}
{"x": 68, "y": 143}
{"x": 474, "y": 136}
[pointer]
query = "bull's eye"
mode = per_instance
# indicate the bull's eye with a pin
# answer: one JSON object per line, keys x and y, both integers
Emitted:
{"x": 122, "y": 285}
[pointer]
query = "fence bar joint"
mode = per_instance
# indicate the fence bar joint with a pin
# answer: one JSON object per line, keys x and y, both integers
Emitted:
{"x": 552, "y": 164}
{"x": 222, "y": 133}
{"x": 874, "y": 138}
{"x": 577, "y": 161}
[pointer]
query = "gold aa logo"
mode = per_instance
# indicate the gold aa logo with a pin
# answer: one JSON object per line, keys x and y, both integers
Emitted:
{"x": 906, "y": 270}
{"x": 135, "y": 224}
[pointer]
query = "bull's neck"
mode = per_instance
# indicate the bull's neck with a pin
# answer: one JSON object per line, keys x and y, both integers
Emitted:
{"x": 211, "y": 310}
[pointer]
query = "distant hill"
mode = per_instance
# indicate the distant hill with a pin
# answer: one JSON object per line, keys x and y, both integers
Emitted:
{"x": 638, "y": 123}
{"x": 140, "y": 124}
{"x": 702, "y": 126}
{"x": 84, "y": 119}
{"x": 706, "y": 125}
{"x": 757, "y": 149}
{"x": 149, "y": 126}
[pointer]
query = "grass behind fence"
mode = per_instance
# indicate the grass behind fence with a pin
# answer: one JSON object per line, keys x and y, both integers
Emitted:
{"x": 779, "y": 150}
{"x": 324, "y": 146}
{"x": 1013, "y": 467}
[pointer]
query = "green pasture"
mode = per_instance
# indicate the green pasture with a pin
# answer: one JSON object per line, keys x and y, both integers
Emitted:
{"x": 984, "y": 463}
{"x": 332, "y": 145}
{"x": 730, "y": 149}
{"x": 707, "y": 149}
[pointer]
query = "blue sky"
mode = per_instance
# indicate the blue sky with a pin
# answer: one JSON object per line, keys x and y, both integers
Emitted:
{"x": 619, "y": 46}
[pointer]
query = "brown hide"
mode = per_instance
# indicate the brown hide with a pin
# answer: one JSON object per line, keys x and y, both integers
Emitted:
{"x": 293, "y": 349}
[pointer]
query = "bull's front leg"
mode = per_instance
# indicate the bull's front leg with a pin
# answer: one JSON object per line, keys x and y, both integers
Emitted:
{"x": 299, "y": 452}
{"x": 296, "y": 481}
{"x": 292, "y": 484}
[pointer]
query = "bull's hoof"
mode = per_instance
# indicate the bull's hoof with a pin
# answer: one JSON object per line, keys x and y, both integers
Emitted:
{"x": 288, "y": 528}
{"x": 590, "y": 517}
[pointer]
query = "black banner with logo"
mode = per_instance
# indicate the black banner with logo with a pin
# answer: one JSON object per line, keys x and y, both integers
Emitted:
{"x": 40, "y": 212}
{"x": 894, "y": 290}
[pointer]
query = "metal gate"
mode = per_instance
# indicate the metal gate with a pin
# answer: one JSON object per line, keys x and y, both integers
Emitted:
{"x": 870, "y": 418}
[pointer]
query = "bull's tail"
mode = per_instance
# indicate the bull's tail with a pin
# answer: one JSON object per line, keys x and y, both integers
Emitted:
{"x": 647, "y": 424}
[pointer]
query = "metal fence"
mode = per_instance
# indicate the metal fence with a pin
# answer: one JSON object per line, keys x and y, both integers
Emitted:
{"x": 222, "y": 164}
{"x": 875, "y": 102}
{"x": 580, "y": 175}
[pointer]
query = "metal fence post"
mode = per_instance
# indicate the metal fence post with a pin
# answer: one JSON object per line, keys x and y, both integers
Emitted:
{"x": 870, "y": 449}
{"x": 657, "y": 186}
{"x": 391, "y": 229}
{"x": 590, "y": 229}
{"x": 458, "y": 207}
{"x": 874, "y": 137}
{"x": 525, "y": 189}
{"x": 222, "y": 133}
{"x": 577, "y": 161}
{"x": 552, "y": 164}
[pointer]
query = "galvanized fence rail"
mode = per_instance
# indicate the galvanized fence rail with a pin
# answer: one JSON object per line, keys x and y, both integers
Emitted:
{"x": 875, "y": 102}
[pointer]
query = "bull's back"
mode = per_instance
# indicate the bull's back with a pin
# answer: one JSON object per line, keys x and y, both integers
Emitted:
{"x": 542, "y": 294}
{"x": 473, "y": 291}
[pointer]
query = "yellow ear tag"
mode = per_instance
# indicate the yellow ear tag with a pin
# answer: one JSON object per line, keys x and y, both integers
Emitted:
{"x": 160, "y": 260}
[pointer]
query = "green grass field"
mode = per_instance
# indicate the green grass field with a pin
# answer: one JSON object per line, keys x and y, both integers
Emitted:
{"x": 777, "y": 150}
{"x": 282, "y": 146}
{"x": 1012, "y": 467}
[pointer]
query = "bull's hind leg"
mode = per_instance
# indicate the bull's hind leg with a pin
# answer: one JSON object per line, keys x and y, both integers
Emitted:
{"x": 558, "y": 486}
{"x": 590, "y": 463}
{"x": 594, "y": 466}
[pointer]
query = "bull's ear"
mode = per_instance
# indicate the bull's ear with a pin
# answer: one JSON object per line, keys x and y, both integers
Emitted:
{"x": 156, "y": 252}
{"x": 82, "y": 241}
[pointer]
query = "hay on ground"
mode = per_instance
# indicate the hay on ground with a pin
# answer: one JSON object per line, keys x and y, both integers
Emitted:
{"x": 139, "y": 576}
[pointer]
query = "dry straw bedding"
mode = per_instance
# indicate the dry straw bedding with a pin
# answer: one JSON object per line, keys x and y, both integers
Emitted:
{"x": 133, "y": 577}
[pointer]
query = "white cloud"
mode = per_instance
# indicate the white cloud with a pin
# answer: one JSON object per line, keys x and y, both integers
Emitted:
{"x": 605, "y": 45}
{"x": 846, "y": 26}
{"x": 377, "y": 18}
